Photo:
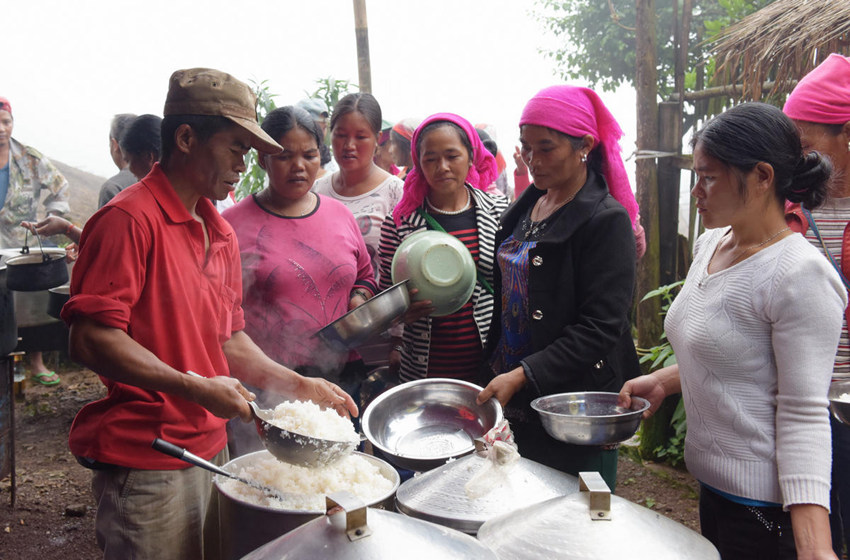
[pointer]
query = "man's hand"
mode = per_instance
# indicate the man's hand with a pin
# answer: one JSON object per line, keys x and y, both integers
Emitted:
{"x": 51, "y": 225}
{"x": 224, "y": 396}
{"x": 326, "y": 394}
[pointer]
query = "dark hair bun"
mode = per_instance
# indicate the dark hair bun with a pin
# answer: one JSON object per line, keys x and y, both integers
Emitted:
{"x": 810, "y": 181}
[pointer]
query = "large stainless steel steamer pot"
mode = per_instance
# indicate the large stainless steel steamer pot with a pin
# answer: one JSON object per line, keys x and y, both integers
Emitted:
{"x": 592, "y": 525}
{"x": 440, "y": 495}
{"x": 244, "y": 526}
{"x": 361, "y": 533}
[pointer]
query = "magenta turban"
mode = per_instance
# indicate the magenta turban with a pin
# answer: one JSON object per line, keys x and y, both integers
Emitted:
{"x": 823, "y": 95}
{"x": 481, "y": 175}
{"x": 577, "y": 111}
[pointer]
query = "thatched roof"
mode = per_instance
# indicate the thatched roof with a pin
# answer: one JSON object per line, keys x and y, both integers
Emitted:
{"x": 781, "y": 43}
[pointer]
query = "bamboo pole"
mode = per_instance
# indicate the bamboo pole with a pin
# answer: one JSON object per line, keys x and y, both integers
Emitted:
{"x": 361, "y": 31}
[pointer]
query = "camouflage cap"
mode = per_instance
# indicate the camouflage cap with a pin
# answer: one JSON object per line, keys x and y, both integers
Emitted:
{"x": 204, "y": 91}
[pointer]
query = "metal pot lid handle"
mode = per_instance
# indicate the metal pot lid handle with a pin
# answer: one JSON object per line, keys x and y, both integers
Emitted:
{"x": 355, "y": 513}
{"x": 25, "y": 250}
{"x": 599, "y": 495}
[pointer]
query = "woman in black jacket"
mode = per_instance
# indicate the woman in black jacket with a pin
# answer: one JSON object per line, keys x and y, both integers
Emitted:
{"x": 566, "y": 272}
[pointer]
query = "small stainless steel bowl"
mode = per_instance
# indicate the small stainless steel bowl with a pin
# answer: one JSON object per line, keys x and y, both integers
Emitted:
{"x": 589, "y": 418}
{"x": 421, "y": 424}
{"x": 839, "y": 401}
{"x": 373, "y": 317}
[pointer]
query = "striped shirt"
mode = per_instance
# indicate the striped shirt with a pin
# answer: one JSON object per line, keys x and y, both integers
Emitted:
{"x": 455, "y": 346}
{"x": 417, "y": 347}
{"x": 831, "y": 219}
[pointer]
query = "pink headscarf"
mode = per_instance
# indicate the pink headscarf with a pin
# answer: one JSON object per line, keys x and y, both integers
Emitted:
{"x": 5, "y": 105}
{"x": 577, "y": 111}
{"x": 823, "y": 95}
{"x": 482, "y": 173}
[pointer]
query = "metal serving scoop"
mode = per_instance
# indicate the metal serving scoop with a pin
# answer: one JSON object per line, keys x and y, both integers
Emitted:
{"x": 175, "y": 451}
{"x": 292, "y": 447}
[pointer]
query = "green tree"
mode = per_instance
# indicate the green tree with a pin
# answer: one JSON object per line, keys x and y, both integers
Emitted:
{"x": 601, "y": 37}
{"x": 254, "y": 177}
{"x": 330, "y": 90}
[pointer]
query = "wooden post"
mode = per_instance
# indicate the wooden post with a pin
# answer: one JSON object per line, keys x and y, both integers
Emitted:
{"x": 655, "y": 431}
{"x": 646, "y": 179}
{"x": 361, "y": 30}
{"x": 669, "y": 178}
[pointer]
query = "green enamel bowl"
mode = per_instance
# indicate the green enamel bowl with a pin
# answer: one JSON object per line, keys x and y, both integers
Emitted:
{"x": 438, "y": 265}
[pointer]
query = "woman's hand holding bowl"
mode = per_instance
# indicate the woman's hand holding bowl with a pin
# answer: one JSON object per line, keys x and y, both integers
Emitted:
{"x": 654, "y": 387}
{"x": 503, "y": 387}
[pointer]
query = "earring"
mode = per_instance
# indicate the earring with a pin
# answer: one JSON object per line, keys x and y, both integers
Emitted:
{"x": 584, "y": 158}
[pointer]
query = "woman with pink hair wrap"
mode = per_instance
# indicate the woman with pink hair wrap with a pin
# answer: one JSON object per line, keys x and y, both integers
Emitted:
{"x": 565, "y": 276}
{"x": 447, "y": 187}
{"x": 820, "y": 107}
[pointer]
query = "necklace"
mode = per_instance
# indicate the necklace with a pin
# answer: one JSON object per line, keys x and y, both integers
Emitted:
{"x": 757, "y": 245}
{"x": 555, "y": 209}
{"x": 451, "y": 212}
{"x": 705, "y": 278}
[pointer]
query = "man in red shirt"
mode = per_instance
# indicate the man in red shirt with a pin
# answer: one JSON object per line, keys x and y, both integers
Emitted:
{"x": 156, "y": 292}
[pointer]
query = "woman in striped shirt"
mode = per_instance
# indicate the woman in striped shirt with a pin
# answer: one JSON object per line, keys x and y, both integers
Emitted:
{"x": 446, "y": 185}
{"x": 820, "y": 107}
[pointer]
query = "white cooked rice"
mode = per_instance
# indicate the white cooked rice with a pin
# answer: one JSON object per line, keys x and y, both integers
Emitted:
{"x": 305, "y": 488}
{"x": 308, "y": 419}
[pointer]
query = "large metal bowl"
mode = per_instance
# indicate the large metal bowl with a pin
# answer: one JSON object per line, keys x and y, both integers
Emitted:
{"x": 589, "y": 418}
{"x": 245, "y": 526}
{"x": 373, "y": 317}
{"x": 421, "y": 424}
{"x": 839, "y": 401}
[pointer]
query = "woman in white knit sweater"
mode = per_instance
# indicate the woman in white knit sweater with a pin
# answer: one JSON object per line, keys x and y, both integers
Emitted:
{"x": 755, "y": 330}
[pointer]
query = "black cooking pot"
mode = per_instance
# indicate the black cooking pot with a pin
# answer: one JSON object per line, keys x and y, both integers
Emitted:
{"x": 8, "y": 324}
{"x": 34, "y": 272}
{"x": 57, "y": 298}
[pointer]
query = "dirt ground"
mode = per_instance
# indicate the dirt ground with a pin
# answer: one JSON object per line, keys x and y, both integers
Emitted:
{"x": 53, "y": 518}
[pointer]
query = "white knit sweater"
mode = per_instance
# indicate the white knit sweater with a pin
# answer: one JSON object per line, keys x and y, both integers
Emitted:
{"x": 755, "y": 345}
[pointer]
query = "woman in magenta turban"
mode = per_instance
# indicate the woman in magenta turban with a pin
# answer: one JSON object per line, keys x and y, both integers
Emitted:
{"x": 565, "y": 276}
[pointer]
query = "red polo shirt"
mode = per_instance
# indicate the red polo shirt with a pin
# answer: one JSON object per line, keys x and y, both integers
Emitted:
{"x": 142, "y": 268}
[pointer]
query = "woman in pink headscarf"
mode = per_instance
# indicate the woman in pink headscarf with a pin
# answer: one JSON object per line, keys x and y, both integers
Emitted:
{"x": 451, "y": 172}
{"x": 565, "y": 275}
{"x": 820, "y": 107}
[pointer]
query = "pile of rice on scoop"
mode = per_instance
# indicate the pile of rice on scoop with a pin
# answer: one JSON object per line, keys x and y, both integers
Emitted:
{"x": 309, "y": 419}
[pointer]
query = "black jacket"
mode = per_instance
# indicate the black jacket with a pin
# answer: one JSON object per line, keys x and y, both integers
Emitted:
{"x": 581, "y": 285}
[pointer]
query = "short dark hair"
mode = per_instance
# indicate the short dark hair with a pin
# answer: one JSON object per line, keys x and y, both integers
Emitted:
{"x": 120, "y": 122}
{"x": 142, "y": 136}
{"x": 750, "y": 133}
{"x": 439, "y": 124}
{"x": 283, "y": 119}
{"x": 363, "y": 103}
{"x": 204, "y": 126}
